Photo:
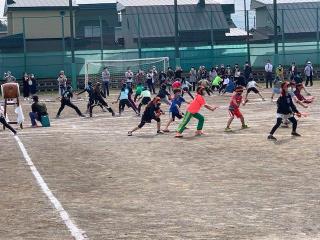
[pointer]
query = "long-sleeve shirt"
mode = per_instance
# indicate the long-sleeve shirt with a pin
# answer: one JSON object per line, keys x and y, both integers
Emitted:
{"x": 268, "y": 67}
{"x": 40, "y": 108}
{"x": 285, "y": 105}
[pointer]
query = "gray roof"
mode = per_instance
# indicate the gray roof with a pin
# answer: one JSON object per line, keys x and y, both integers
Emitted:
{"x": 299, "y": 16}
{"x": 39, "y": 3}
{"x": 158, "y": 21}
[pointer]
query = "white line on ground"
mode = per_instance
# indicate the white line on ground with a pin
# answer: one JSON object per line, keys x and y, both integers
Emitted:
{"x": 76, "y": 232}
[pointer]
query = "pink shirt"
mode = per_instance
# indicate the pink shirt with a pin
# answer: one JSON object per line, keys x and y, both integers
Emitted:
{"x": 196, "y": 104}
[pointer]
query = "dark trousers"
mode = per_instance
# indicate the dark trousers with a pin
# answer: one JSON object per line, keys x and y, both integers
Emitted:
{"x": 309, "y": 79}
{"x": 194, "y": 84}
{"x": 151, "y": 87}
{"x": 223, "y": 88}
{"x": 33, "y": 117}
{"x": 279, "y": 121}
{"x": 5, "y": 124}
{"x": 186, "y": 90}
{"x": 68, "y": 103}
{"x": 268, "y": 79}
{"x": 126, "y": 102}
{"x": 208, "y": 90}
{"x": 106, "y": 88}
{"x": 99, "y": 102}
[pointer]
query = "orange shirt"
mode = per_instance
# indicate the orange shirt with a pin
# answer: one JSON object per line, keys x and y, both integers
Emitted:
{"x": 196, "y": 104}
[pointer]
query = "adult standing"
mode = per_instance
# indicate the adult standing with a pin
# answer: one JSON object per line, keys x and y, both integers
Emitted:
{"x": 178, "y": 73}
{"x": 268, "y": 68}
{"x": 62, "y": 82}
{"x": 247, "y": 72}
{"x": 26, "y": 86}
{"x": 154, "y": 76}
{"x": 308, "y": 71}
{"x": 33, "y": 87}
{"x": 293, "y": 71}
{"x": 193, "y": 78}
{"x": 129, "y": 77}
{"x": 237, "y": 74}
{"x": 106, "y": 81}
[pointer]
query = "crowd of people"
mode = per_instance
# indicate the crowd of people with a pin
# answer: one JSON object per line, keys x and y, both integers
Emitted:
{"x": 137, "y": 90}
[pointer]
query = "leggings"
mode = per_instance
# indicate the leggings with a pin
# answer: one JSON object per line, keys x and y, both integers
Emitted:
{"x": 279, "y": 121}
{"x": 69, "y": 104}
{"x": 186, "y": 90}
{"x": 100, "y": 102}
{"x": 186, "y": 119}
{"x": 5, "y": 124}
{"x": 126, "y": 102}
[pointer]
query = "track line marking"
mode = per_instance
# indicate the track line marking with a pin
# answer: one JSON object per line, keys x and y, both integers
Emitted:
{"x": 76, "y": 232}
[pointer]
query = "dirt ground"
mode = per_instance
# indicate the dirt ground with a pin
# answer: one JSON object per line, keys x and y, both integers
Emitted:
{"x": 219, "y": 186}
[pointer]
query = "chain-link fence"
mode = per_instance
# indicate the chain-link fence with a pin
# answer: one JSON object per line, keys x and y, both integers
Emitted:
{"x": 210, "y": 36}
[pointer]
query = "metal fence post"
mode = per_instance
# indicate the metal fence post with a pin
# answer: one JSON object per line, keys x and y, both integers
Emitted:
{"x": 139, "y": 38}
{"x": 176, "y": 33}
{"x": 318, "y": 38}
{"x": 101, "y": 38}
{"x": 275, "y": 29}
{"x": 63, "y": 41}
{"x": 248, "y": 38}
{"x": 24, "y": 45}
{"x": 283, "y": 38}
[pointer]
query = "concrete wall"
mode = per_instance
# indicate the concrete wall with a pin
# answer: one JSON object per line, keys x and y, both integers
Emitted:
{"x": 39, "y": 24}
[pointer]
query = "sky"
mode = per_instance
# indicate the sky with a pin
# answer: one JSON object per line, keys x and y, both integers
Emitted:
{"x": 1, "y": 7}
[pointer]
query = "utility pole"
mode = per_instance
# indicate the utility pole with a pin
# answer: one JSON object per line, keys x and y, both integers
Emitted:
{"x": 73, "y": 60}
{"x": 176, "y": 33}
{"x": 275, "y": 28}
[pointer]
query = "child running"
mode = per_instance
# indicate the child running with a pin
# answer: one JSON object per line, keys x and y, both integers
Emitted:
{"x": 193, "y": 111}
{"x": 152, "y": 112}
{"x": 4, "y": 122}
{"x": 300, "y": 97}
{"x": 186, "y": 87}
{"x": 285, "y": 109}
{"x": 164, "y": 95}
{"x": 66, "y": 101}
{"x": 234, "y": 108}
{"x": 97, "y": 100}
{"x": 145, "y": 97}
{"x": 175, "y": 111}
{"x": 253, "y": 86}
{"x": 124, "y": 100}
{"x": 276, "y": 87}
{"x": 138, "y": 91}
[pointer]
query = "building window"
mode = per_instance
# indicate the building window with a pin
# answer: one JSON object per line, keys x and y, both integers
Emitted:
{"x": 92, "y": 31}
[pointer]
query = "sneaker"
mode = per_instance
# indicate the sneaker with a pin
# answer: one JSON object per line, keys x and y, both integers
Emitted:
{"x": 58, "y": 116}
{"x": 271, "y": 137}
{"x": 285, "y": 125}
{"x": 199, "y": 133}
{"x": 178, "y": 135}
{"x": 159, "y": 132}
{"x": 82, "y": 115}
{"x": 166, "y": 130}
{"x": 228, "y": 129}
{"x": 295, "y": 134}
{"x": 129, "y": 133}
{"x": 244, "y": 126}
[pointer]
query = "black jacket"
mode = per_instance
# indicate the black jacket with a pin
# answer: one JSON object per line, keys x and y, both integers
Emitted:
{"x": 286, "y": 105}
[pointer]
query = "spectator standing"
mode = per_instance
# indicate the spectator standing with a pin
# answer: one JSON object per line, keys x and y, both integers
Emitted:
{"x": 308, "y": 71}
{"x": 293, "y": 71}
{"x": 193, "y": 78}
{"x": 33, "y": 86}
{"x": 268, "y": 68}
{"x": 62, "y": 82}
{"x": 106, "y": 81}
{"x": 26, "y": 86}
{"x": 247, "y": 72}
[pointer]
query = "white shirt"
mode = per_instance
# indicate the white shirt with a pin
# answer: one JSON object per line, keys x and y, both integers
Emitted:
{"x": 268, "y": 67}
{"x": 251, "y": 84}
{"x": 226, "y": 81}
{"x": 105, "y": 76}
